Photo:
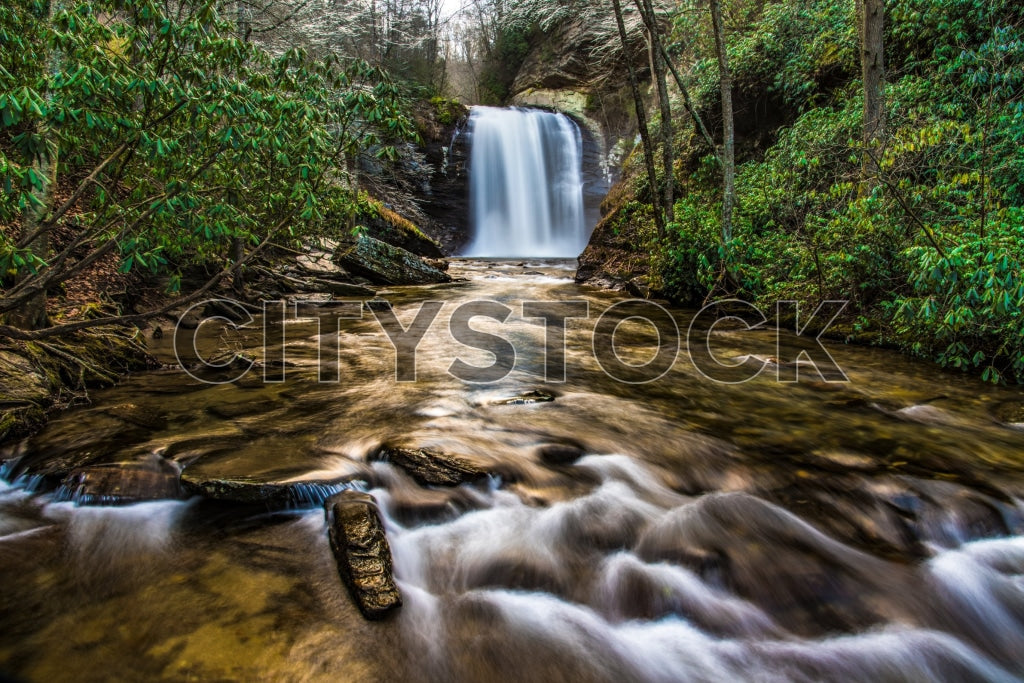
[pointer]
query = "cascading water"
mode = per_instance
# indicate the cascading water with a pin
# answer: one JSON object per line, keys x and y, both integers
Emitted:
{"x": 526, "y": 184}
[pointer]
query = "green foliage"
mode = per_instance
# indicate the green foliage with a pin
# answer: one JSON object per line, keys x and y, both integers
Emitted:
{"x": 448, "y": 110}
{"x": 780, "y": 54}
{"x": 510, "y": 48}
{"x": 181, "y": 137}
{"x": 930, "y": 253}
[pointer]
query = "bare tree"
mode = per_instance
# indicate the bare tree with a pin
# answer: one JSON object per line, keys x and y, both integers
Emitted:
{"x": 728, "y": 155}
{"x": 658, "y": 64}
{"x": 641, "y": 120}
{"x": 872, "y": 34}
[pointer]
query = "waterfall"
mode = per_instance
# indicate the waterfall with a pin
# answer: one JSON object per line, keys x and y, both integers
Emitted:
{"x": 526, "y": 184}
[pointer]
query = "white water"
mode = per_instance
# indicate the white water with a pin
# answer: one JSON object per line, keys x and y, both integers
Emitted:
{"x": 526, "y": 184}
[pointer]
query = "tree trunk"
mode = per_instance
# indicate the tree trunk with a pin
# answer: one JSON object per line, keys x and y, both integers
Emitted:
{"x": 728, "y": 155}
{"x": 658, "y": 68}
{"x": 641, "y": 120}
{"x": 872, "y": 34}
{"x": 31, "y": 315}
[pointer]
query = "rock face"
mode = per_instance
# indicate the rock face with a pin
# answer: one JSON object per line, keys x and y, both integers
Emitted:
{"x": 429, "y": 467}
{"x": 362, "y": 553}
{"x": 611, "y": 258}
{"x": 445, "y": 196}
{"x": 412, "y": 240}
{"x": 386, "y": 264}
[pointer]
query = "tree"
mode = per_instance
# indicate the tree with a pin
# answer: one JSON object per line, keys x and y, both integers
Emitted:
{"x": 728, "y": 156}
{"x": 872, "y": 34}
{"x": 641, "y": 119}
{"x": 179, "y": 139}
{"x": 658, "y": 68}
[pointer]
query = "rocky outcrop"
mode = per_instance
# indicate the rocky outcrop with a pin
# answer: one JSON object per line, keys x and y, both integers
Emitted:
{"x": 388, "y": 226}
{"x": 429, "y": 467}
{"x": 362, "y": 553}
{"x": 428, "y": 185}
{"x": 445, "y": 196}
{"x": 611, "y": 258}
{"x": 386, "y": 264}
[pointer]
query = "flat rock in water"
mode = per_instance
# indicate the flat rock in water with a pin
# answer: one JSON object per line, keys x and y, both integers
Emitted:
{"x": 385, "y": 264}
{"x": 210, "y": 478}
{"x": 528, "y": 398}
{"x": 121, "y": 484}
{"x": 430, "y": 467}
{"x": 362, "y": 552}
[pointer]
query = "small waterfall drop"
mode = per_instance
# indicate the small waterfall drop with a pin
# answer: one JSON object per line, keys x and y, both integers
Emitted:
{"x": 526, "y": 184}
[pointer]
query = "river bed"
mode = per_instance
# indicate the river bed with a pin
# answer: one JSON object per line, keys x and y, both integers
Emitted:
{"x": 764, "y": 530}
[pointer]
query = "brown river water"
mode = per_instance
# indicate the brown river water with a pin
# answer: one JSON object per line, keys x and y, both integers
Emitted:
{"x": 859, "y": 531}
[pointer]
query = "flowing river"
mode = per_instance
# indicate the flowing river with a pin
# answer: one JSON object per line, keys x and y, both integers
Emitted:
{"x": 868, "y": 530}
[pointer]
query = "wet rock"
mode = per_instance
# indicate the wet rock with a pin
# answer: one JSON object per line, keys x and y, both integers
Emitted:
{"x": 377, "y": 305}
{"x": 559, "y": 454}
{"x": 854, "y": 515}
{"x": 74, "y": 441}
{"x": 385, "y": 264}
{"x": 805, "y": 580}
{"x": 1010, "y": 412}
{"x": 413, "y": 505}
{"x": 204, "y": 478}
{"x": 439, "y": 263}
{"x": 190, "y": 318}
{"x": 362, "y": 553}
{"x": 429, "y": 467}
{"x": 528, "y": 398}
{"x": 122, "y": 484}
{"x": 446, "y": 199}
{"x": 139, "y": 416}
{"x": 950, "y": 514}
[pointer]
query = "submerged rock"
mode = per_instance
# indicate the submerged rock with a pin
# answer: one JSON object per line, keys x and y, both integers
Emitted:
{"x": 430, "y": 467}
{"x": 362, "y": 552}
{"x": 386, "y": 264}
{"x": 528, "y": 398}
{"x": 558, "y": 454}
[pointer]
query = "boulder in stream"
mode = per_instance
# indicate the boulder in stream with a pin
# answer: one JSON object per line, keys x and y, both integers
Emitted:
{"x": 429, "y": 467}
{"x": 560, "y": 454}
{"x": 288, "y": 493}
{"x": 122, "y": 484}
{"x": 362, "y": 552}
{"x": 385, "y": 264}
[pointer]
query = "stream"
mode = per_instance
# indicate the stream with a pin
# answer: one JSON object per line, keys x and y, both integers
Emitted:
{"x": 816, "y": 530}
